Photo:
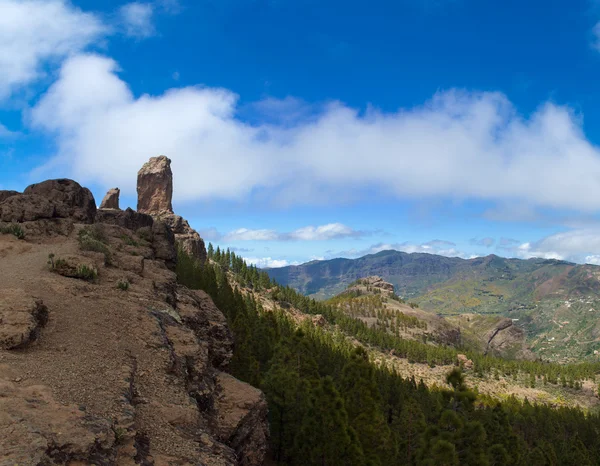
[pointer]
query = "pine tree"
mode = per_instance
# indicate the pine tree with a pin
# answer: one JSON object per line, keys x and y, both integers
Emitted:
{"x": 364, "y": 406}
{"x": 325, "y": 436}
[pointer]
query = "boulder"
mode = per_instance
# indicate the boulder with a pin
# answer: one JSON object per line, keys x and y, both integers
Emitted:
{"x": 155, "y": 186}
{"x": 21, "y": 319}
{"x": 111, "y": 200}
{"x": 70, "y": 199}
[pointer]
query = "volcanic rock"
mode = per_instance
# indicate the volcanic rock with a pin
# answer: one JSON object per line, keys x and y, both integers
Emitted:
{"x": 21, "y": 319}
{"x": 111, "y": 200}
{"x": 155, "y": 186}
{"x": 69, "y": 198}
{"x": 6, "y": 194}
{"x": 155, "y": 189}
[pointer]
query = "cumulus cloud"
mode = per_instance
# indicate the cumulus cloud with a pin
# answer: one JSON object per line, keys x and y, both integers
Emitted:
{"x": 309, "y": 233}
{"x": 459, "y": 144}
{"x": 268, "y": 262}
{"x": 136, "y": 18}
{"x": 581, "y": 245}
{"x": 486, "y": 242}
{"x": 34, "y": 33}
{"x": 324, "y": 233}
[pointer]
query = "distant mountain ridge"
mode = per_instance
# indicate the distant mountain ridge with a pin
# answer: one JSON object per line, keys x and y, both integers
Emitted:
{"x": 411, "y": 273}
{"x": 557, "y": 303}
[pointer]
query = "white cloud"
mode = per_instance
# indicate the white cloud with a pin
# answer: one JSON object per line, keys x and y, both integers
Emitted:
{"x": 34, "y": 33}
{"x": 309, "y": 233}
{"x": 268, "y": 262}
{"x": 136, "y": 18}
{"x": 580, "y": 245}
{"x": 593, "y": 259}
{"x": 459, "y": 144}
{"x": 245, "y": 234}
{"x": 324, "y": 232}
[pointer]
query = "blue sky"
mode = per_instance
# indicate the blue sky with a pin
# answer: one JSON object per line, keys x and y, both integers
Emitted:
{"x": 315, "y": 129}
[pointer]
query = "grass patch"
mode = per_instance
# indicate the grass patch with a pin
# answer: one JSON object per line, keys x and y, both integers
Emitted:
{"x": 13, "y": 229}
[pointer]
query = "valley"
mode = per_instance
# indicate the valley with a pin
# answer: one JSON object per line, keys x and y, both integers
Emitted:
{"x": 555, "y": 303}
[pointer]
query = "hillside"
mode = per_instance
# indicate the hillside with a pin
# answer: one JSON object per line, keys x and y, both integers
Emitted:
{"x": 375, "y": 302}
{"x": 556, "y": 303}
{"x": 104, "y": 358}
{"x": 313, "y": 359}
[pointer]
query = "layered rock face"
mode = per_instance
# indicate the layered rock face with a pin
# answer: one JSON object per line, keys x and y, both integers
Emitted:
{"x": 155, "y": 192}
{"x": 92, "y": 372}
{"x": 111, "y": 200}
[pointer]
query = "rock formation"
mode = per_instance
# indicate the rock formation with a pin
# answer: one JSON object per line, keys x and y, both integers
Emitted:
{"x": 93, "y": 374}
{"x": 70, "y": 199}
{"x": 155, "y": 186}
{"x": 111, "y": 200}
{"x": 155, "y": 189}
{"x": 6, "y": 194}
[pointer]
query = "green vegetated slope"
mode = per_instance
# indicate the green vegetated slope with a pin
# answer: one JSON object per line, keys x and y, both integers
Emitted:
{"x": 540, "y": 295}
{"x": 340, "y": 393}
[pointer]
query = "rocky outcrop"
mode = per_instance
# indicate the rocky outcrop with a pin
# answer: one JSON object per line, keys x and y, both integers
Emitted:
{"x": 507, "y": 340}
{"x": 241, "y": 420}
{"x": 21, "y": 319}
{"x": 6, "y": 194}
{"x": 155, "y": 189}
{"x": 120, "y": 375}
{"x": 111, "y": 200}
{"x": 185, "y": 236}
{"x": 68, "y": 197}
{"x": 48, "y": 208}
{"x": 155, "y": 186}
{"x": 377, "y": 282}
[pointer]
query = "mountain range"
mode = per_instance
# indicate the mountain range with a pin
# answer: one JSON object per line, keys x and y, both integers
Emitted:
{"x": 555, "y": 302}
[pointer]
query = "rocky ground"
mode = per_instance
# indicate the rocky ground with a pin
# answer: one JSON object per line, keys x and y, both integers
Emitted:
{"x": 104, "y": 359}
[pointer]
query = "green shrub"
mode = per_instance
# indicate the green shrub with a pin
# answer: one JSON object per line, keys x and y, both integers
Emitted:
{"x": 123, "y": 285}
{"x": 86, "y": 272}
{"x": 94, "y": 239}
{"x": 96, "y": 232}
{"x": 13, "y": 229}
{"x": 129, "y": 241}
